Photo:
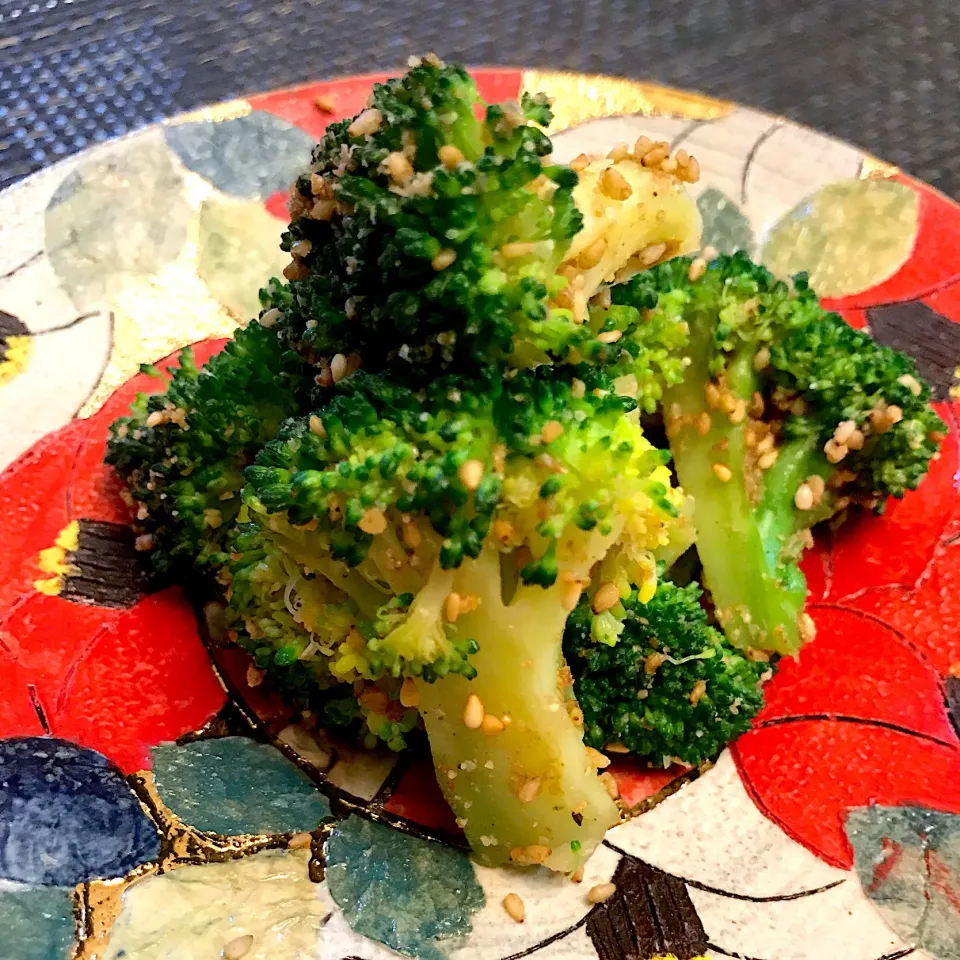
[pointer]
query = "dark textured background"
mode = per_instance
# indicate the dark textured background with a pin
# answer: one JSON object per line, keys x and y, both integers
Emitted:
{"x": 883, "y": 74}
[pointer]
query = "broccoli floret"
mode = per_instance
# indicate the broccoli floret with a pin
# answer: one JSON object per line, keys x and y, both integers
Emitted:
{"x": 670, "y": 687}
{"x": 785, "y": 417}
{"x": 182, "y": 452}
{"x": 490, "y": 501}
{"x": 430, "y": 233}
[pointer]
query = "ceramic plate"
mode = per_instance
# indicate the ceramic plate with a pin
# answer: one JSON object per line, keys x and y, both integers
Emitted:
{"x": 155, "y": 804}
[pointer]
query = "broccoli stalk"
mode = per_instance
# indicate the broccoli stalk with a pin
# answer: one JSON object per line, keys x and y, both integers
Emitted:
{"x": 784, "y": 416}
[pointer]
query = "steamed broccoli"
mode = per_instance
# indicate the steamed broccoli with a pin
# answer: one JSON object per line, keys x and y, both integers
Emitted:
{"x": 785, "y": 416}
{"x": 441, "y": 538}
{"x": 182, "y": 452}
{"x": 430, "y": 232}
{"x": 669, "y": 686}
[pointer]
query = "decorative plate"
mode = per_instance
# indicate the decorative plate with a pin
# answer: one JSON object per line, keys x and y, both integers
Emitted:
{"x": 155, "y": 804}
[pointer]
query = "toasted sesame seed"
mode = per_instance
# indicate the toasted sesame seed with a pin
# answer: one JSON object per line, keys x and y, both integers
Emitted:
{"x": 712, "y": 393}
{"x": 451, "y": 607}
{"x": 806, "y": 627}
{"x": 491, "y": 725}
{"x": 856, "y": 440}
{"x": 471, "y": 473}
{"x": 894, "y": 414}
{"x": 270, "y": 317}
{"x": 513, "y": 904}
{"x": 699, "y": 689}
{"x": 323, "y": 209}
{"x": 473, "y": 712}
{"x": 592, "y": 254}
{"x": 443, "y": 259}
{"x": 597, "y": 759}
{"x": 911, "y": 383}
{"x": 690, "y": 171}
{"x": 656, "y": 154}
{"x": 338, "y": 367}
{"x": 301, "y": 248}
{"x": 529, "y": 791}
{"x": 610, "y": 785}
{"x": 578, "y": 389}
{"x": 579, "y": 306}
{"x": 513, "y": 251}
{"x": 295, "y": 270}
{"x": 299, "y": 841}
{"x": 537, "y": 853}
{"x": 551, "y": 430}
{"x": 614, "y": 184}
{"x": 238, "y": 948}
{"x": 698, "y": 268}
{"x": 580, "y": 163}
{"x": 368, "y": 122}
{"x": 607, "y": 595}
{"x": 619, "y": 153}
{"x": 722, "y": 472}
{"x": 601, "y": 892}
{"x": 325, "y": 102}
{"x": 709, "y": 252}
{"x": 653, "y": 661}
{"x": 450, "y": 156}
{"x": 610, "y": 336}
{"x": 642, "y": 147}
{"x": 616, "y": 747}
{"x": 803, "y": 498}
{"x": 649, "y": 255}
{"x": 768, "y": 459}
{"x": 409, "y": 694}
{"x": 835, "y": 451}
{"x": 398, "y": 167}
{"x": 570, "y": 594}
{"x": 669, "y": 165}
{"x": 374, "y": 521}
{"x": 757, "y": 405}
{"x": 739, "y": 412}
{"x": 844, "y": 430}
{"x": 410, "y": 533}
{"x": 143, "y": 543}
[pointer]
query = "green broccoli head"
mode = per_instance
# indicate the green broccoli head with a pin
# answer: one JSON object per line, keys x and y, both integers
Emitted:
{"x": 427, "y": 231}
{"x": 669, "y": 686}
{"x": 182, "y": 452}
{"x": 785, "y": 416}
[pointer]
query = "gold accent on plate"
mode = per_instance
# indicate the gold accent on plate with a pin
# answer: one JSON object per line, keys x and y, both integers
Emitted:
{"x": 578, "y": 97}
{"x": 230, "y": 110}
{"x": 15, "y": 358}
{"x": 873, "y": 169}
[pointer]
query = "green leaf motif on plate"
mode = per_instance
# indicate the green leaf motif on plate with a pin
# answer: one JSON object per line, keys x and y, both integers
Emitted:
{"x": 122, "y": 214}
{"x": 239, "y": 252}
{"x": 724, "y": 226}
{"x": 849, "y": 236}
{"x": 908, "y": 861}
{"x": 263, "y": 904}
{"x": 233, "y": 785}
{"x": 251, "y": 156}
{"x": 37, "y": 924}
{"x": 411, "y": 895}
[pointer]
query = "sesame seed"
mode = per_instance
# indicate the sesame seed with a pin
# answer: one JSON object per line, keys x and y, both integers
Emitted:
{"x": 491, "y": 725}
{"x": 270, "y": 317}
{"x": 443, "y": 259}
{"x": 817, "y": 486}
{"x": 471, "y": 473}
{"x": 323, "y": 209}
{"x": 301, "y": 248}
{"x": 856, "y": 440}
{"x": 703, "y": 423}
{"x": 450, "y": 156}
{"x": 699, "y": 689}
{"x": 757, "y": 405}
{"x": 698, "y": 268}
{"x": 316, "y": 426}
{"x": 398, "y": 168}
{"x": 597, "y": 759}
{"x": 578, "y": 389}
{"x": 610, "y": 336}
{"x": 614, "y": 185}
{"x": 513, "y": 904}
{"x": 607, "y": 595}
{"x": 513, "y": 251}
{"x": 473, "y": 712}
{"x": 610, "y": 785}
{"x": 653, "y": 661}
{"x": 551, "y": 430}
{"x": 579, "y": 164}
{"x": 616, "y": 747}
{"x": 835, "y": 451}
{"x": 642, "y": 147}
{"x": 768, "y": 459}
{"x": 739, "y": 412}
{"x": 338, "y": 367}
{"x": 325, "y": 102}
{"x": 238, "y": 948}
{"x": 409, "y": 694}
{"x": 722, "y": 472}
{"x": 712, "y": 393}
{"x": 529, "y": 791}
{"x": 619, "y": 153}
{"x": 299, "y": 841}
{"x": 410, "y": 533}
{"x": 451, "y": 607}
{"x": 592, "y": 254}
{"x": 601, "y": 892}
{"x": 295, "y": 270}
{"x": 570, "y": 594}
{"x": 844, "y": 430}
{"x": 374, "y": 521}
{"x": 656, "y": 154}
{"x": 806, "y": 627}
{"x": 803, "y": 498}
{"x": 894, "y": 414}
{"x": 911, "y": 383}
{"x": 649, "y": 255}
{"x": 709, "y": 252}
{"x": 143, "y": 543}
{"x": 367, "y": 122}
{"x": 691, "y": 170}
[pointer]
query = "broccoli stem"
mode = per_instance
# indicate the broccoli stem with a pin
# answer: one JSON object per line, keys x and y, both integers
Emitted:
{"x": 742, "y": 533}
{"x": 526, "y": 792}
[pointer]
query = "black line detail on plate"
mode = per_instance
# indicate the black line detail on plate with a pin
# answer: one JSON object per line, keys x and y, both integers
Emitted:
{"x": 26, "y": 263}
{"x": 38, "y": 708}
{"x": 951, "y": 698}
{"x": 687, "y": 132}
{"x": 650, "y": 915}
{"x": 716, "y": 891}
{"x": 66, "y": 326}
{"x": 905, "y": 952}
{"x": 392, "y": 780}
{"x": 930, "y": 338}
{"x": 843, "y": 718}
{"x": 752, "y": 155}
{"x": 553, "y": 938}
{"x": 108, "y": 569}
{"x": 10, "y": 326}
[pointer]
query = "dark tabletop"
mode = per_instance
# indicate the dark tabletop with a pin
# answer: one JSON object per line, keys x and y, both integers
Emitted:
{"x": 881, "y": 74}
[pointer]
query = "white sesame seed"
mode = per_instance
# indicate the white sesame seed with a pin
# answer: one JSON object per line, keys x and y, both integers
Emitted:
{"x": 601, "y": 892}
{"x": 473, "y": 712}
{"x": 514, "y": 906}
